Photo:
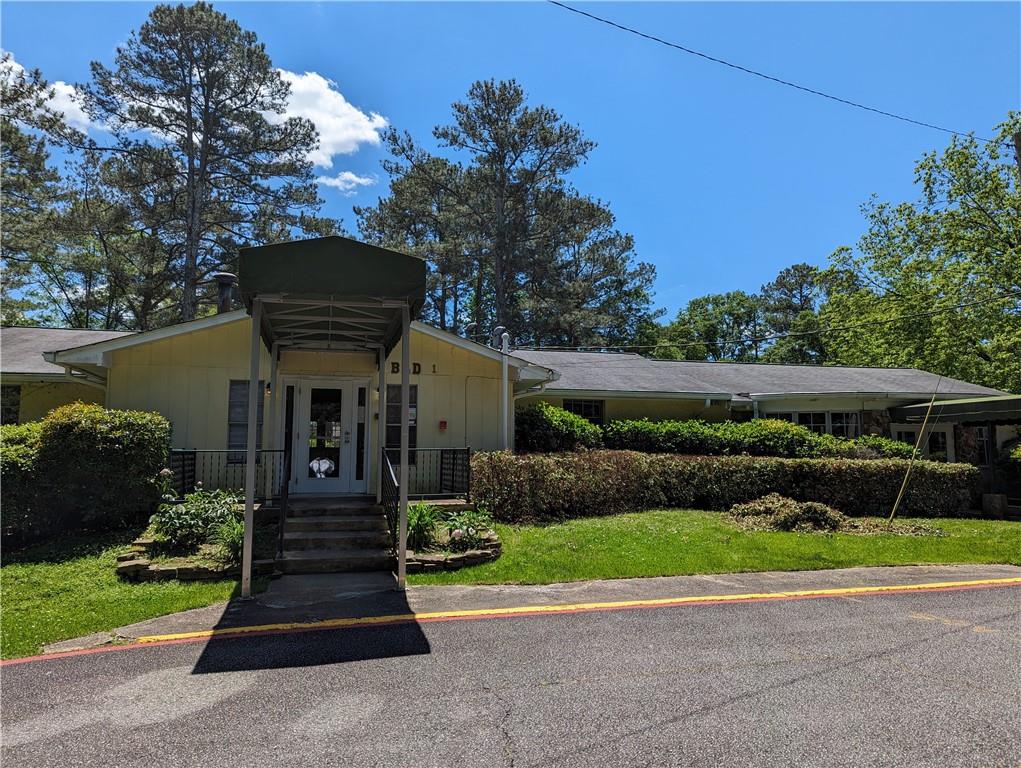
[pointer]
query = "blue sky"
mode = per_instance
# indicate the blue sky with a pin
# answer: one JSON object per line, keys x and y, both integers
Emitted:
{"x": 722, "y": 178}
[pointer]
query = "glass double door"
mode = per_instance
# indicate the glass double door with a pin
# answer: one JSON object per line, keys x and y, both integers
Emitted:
{"x": 329, "y": 439}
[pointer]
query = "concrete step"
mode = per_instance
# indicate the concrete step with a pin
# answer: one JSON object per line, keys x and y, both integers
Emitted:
{"x": 335, "y": 523}
{"x": 336, "y": 540}
{"x": 327, "y": 561}
{"x": 338, "y": 509}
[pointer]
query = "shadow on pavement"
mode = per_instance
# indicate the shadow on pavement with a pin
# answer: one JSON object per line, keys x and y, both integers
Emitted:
{"x": 310, "y": 599}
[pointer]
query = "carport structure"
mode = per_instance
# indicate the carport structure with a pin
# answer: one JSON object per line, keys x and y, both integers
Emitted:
{"x": 329, "y": 294}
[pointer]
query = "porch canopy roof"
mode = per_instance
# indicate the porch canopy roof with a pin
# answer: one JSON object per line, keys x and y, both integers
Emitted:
{"x": 331, "y": 293}
{"x": 1003, "y": 409}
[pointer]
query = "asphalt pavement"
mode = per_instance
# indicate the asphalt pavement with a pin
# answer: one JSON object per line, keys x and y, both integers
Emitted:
{"x": 902, "y": 679}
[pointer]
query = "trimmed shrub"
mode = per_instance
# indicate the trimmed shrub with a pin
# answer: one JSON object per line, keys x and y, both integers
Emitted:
{"x": 545, "y": 428}
{"x": 558, "y": 486}
{"x": 884, "y": 447}
{"x": 758, "y": 437}
{"x": 19, "y": 448}
{"x": 99, "y": 467}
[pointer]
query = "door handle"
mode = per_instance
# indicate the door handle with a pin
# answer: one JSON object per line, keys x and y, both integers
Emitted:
{"x": 347, "y": 436}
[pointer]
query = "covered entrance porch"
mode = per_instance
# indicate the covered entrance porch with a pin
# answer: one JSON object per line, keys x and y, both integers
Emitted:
{"x": 329, "y": 311}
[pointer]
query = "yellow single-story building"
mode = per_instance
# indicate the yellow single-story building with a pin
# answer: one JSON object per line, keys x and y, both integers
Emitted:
{"x": 323, "y": 383}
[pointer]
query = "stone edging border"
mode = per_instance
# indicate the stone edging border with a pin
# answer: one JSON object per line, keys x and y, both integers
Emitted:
{"x": 424, "y": 562}
{"x": 136, "y": 565}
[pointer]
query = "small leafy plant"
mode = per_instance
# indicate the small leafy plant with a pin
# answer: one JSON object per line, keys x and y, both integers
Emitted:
{"x": 422, "y": 520}
{"x": 193, "y": 520}
{"x": 467, "y": 529}
{"x": 229, "y": 538}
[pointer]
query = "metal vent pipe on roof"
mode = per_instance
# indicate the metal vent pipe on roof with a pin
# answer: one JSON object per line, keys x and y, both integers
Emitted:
{"x": 225, "y": 282}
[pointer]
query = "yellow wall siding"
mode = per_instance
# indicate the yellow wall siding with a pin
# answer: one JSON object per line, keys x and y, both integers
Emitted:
{"x": 456, "y": 386}
{"x": 187, "y": 379}
{"x": 39, "y": 398}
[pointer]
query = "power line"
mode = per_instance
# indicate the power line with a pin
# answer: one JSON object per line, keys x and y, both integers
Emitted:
{"x": 788, "y": 335}
{"x": 764, "y": 76}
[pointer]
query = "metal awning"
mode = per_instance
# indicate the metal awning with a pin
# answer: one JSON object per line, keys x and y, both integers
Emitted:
{"x": 1004, "y": 409}
{"x": 331, "y": 293}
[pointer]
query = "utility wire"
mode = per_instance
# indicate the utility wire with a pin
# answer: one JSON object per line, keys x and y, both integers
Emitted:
{"x": 764, "y": 76}
{"x": 788, "y": 335}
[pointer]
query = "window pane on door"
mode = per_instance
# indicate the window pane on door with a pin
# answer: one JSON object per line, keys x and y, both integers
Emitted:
{"x": 325, "y": 433}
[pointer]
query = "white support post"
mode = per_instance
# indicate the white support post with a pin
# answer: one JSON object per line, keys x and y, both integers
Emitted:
{"x": 269, "y": 428}
{"x": 253, "y": 404}
{"x": 381, "y": 426}
{"x": 504, "y": 393}
{"x": 402, "y": 554}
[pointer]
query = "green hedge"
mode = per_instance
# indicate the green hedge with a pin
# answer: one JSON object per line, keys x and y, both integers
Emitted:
{"x": 82, "y": 466}
{"x": 547, "y": 487}
{"x": 758, "y": 437}
{"x": 545, "y": 428}
{"x": 19, "y": 444}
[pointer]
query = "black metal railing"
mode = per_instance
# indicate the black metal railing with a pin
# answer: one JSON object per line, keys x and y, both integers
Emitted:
{"x": 285, "y": 484}
{"x": 213, "y": 469}
{"x": 390, "y": 497}
{"x": 434, "y": 472}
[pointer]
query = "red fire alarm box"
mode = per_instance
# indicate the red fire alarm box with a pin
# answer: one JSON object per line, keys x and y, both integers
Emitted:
{"x": 443, "y": 425}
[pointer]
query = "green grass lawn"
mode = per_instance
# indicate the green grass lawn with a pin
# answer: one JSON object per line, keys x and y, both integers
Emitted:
{"x": 677, "y": 541}
{"x": 69, "y": 588}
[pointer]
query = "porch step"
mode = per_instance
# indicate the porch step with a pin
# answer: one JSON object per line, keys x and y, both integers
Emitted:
{"x": 332, "y": 561}
{"x": 375, "y": 522}
{"x": 335, "y": 540}
{"x": 333, "y": 509}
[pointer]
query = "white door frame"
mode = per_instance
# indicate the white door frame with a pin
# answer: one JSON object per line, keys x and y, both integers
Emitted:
{"x": 346, "y": 482}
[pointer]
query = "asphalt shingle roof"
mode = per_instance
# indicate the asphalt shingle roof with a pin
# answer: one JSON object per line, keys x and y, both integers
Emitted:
{"x": 21, "y": 349}
{"x": 627, "y": 372}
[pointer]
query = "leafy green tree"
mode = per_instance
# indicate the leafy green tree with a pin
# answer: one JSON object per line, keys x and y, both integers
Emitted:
{"x": 950, "y": 262}
{"x": 191, "y": 83}
{"x": 29, "y": 187}
{"x": 509, "y": 239}
{"x": 721, "y": 326}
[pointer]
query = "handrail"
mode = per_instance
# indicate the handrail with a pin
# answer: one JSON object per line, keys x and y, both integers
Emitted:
{"x": 285, "y": 486}
{"x": 390, "y": 497}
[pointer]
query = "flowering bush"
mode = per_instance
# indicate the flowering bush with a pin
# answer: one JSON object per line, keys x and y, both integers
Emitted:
{"x": 467, "y": 529}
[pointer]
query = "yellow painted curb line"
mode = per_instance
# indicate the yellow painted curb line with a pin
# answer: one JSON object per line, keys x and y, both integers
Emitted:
{"x": 571, "y": 607}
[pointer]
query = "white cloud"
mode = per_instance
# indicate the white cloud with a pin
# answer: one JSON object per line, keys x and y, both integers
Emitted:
{"x": 65, "y": 97}
{"x": 342, "y": 127}
{"x": 347, "y": 182}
